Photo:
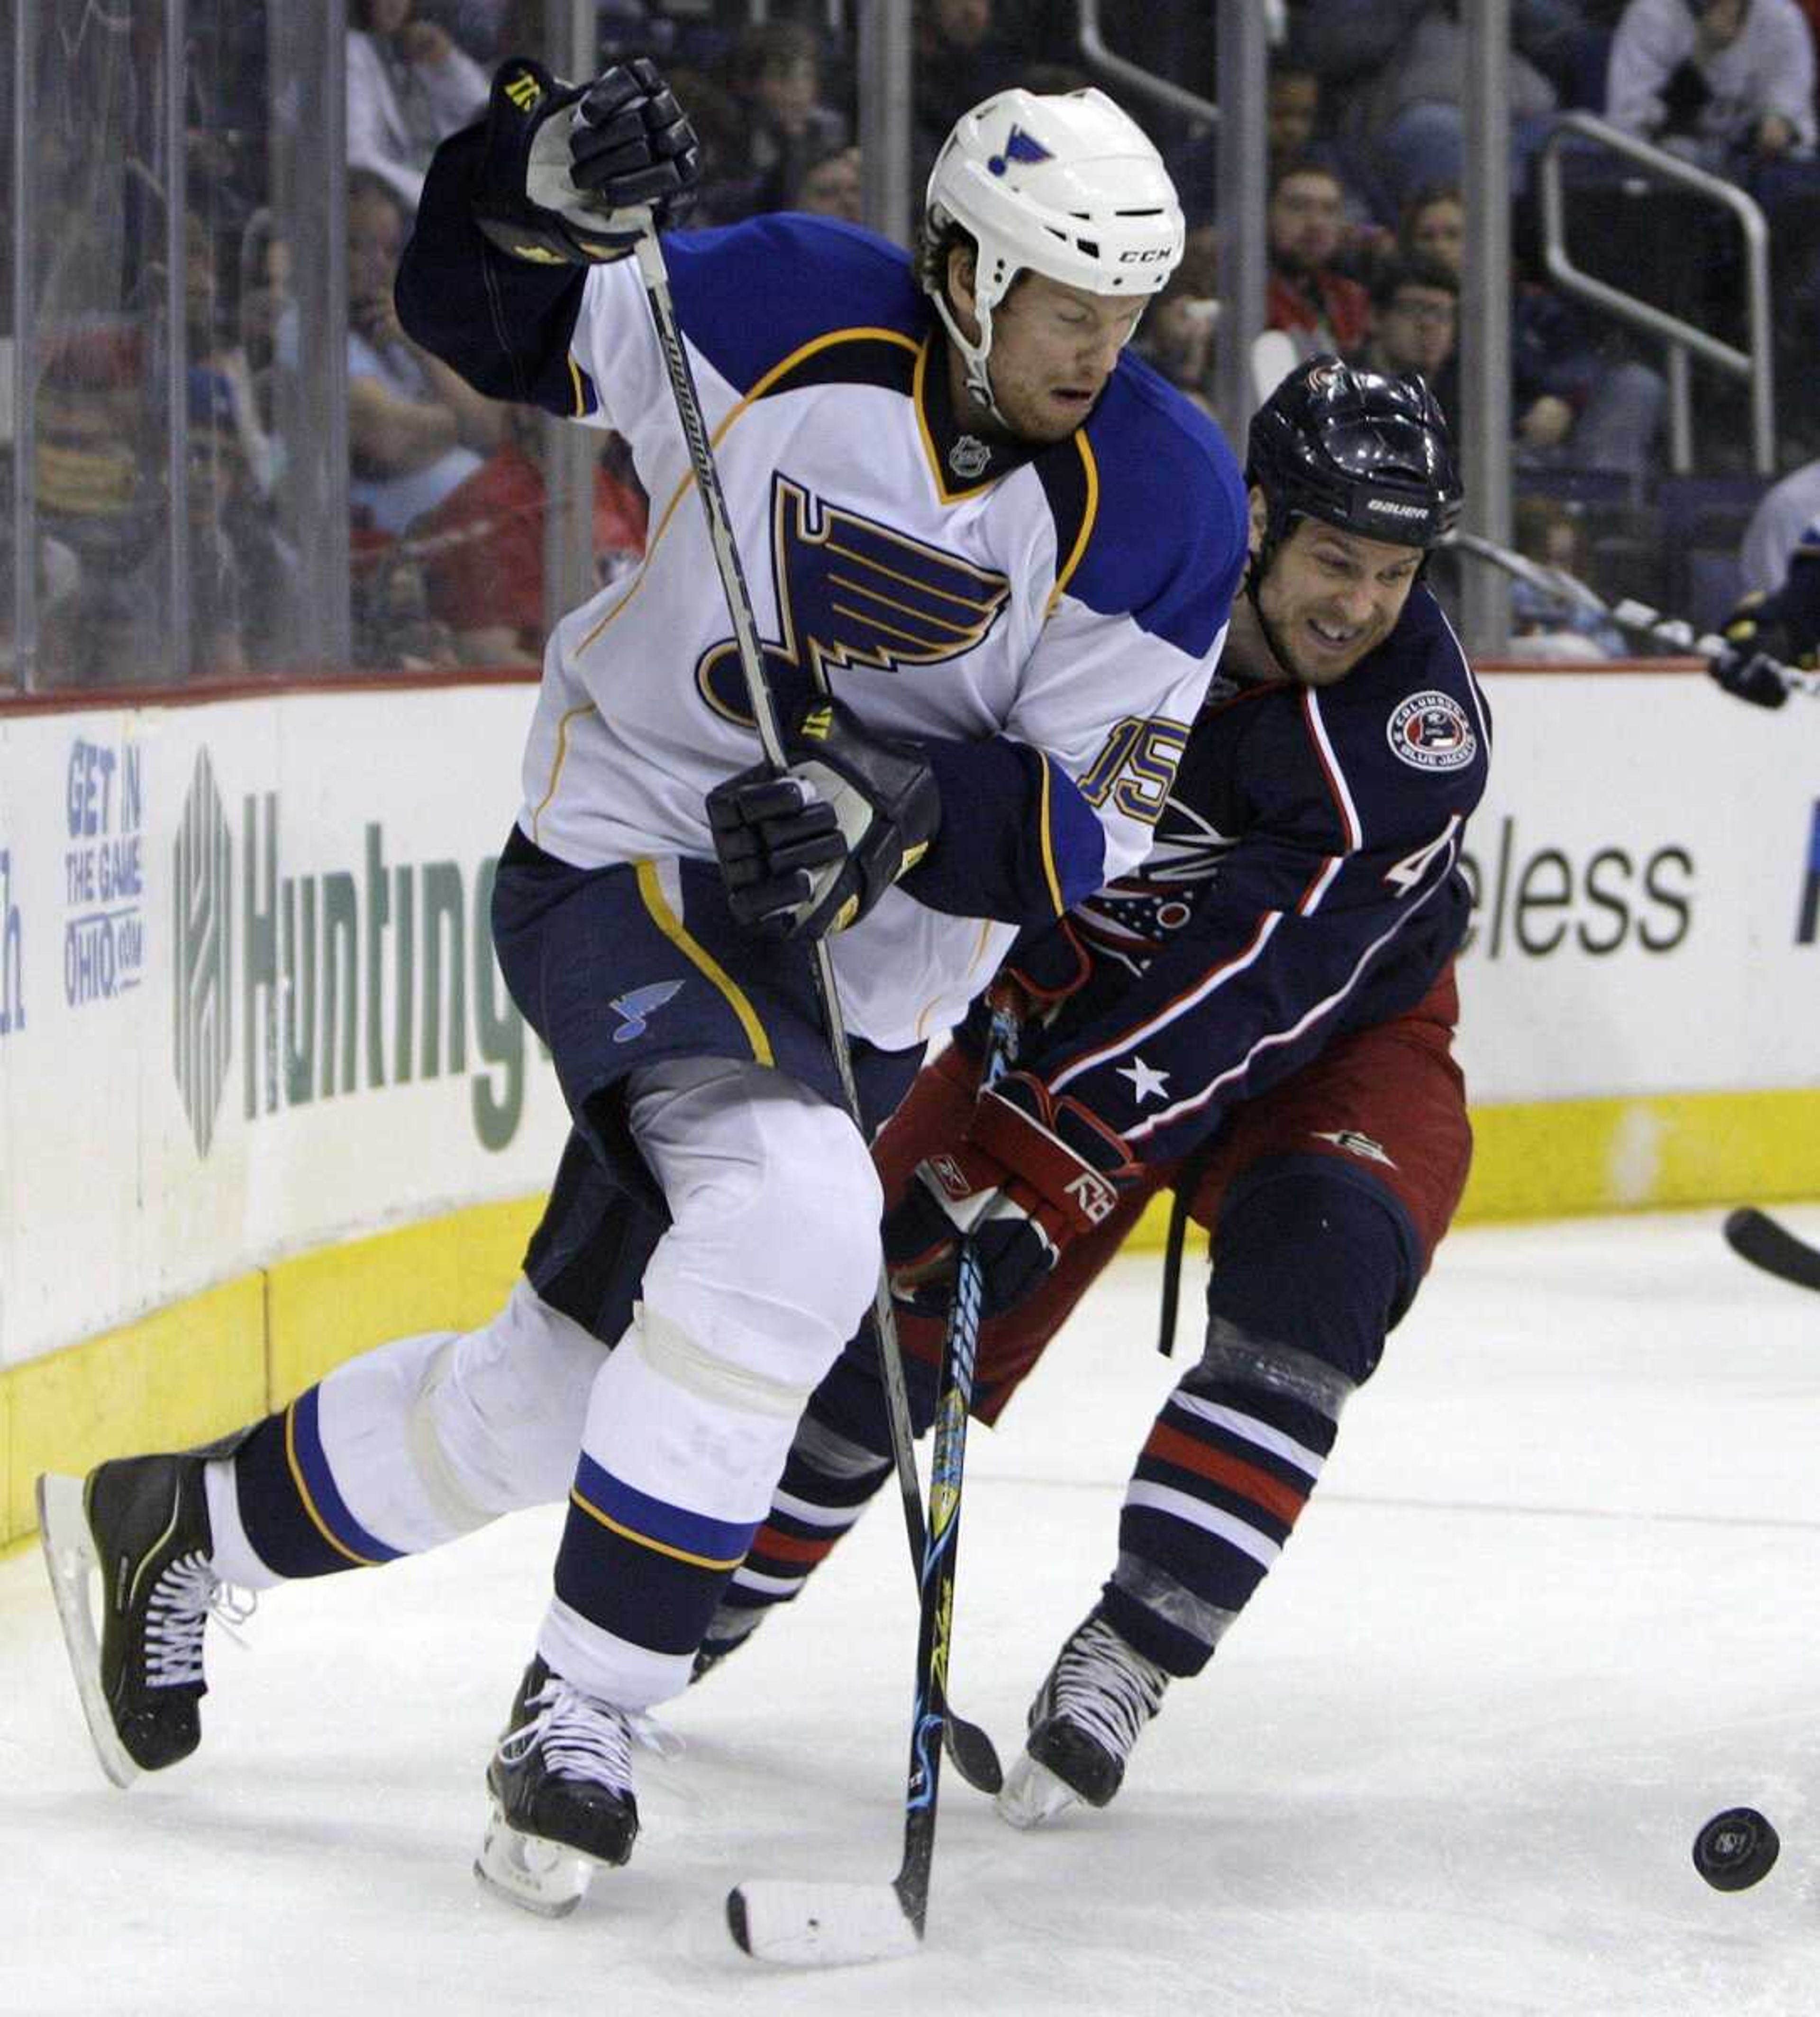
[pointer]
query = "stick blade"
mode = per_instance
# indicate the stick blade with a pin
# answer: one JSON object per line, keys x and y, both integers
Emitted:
{"x": 1754, "y": 1236}
{"x": 804, "y": 1924}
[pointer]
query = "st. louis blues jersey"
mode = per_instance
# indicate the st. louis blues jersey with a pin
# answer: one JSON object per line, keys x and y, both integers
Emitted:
{"x": 1044, "y": 622}
{"x": 1305, "y": 882}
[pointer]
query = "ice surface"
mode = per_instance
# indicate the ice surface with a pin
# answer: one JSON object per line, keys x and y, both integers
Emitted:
{"x": 1556, "y": 1602}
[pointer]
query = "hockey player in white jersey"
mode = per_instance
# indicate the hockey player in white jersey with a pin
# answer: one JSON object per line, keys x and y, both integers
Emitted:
{"x": 1014, "y": 549}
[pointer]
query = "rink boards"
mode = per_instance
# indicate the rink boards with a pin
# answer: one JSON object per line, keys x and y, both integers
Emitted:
{"x": 264, "y": 1099}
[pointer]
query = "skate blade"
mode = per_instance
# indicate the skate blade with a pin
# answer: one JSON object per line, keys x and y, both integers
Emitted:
{"x": 69, "y": 1560}
{"x": 546, "y": 1878}
{"x": 1033, "y": 1794}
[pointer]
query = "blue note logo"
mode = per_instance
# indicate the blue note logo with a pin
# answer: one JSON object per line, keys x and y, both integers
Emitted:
{"x": 636, "y": 1009}
{"x": 1019, "y": 147}
{"x": 852, "y": 592}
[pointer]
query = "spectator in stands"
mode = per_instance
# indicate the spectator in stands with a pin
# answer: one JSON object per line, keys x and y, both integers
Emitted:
{"x": 98, "y": 474}
{"x": 1578, "y": 399}
{"x": 1318, "y": 307}
{"x": 964, "y": 52}
{"x": 1415, "y": 324}
{"x": 1176, "y": 333}
{"x": 243, "y": 580}
{"x": 1728, "y": 83}
{"x": 1297, "y": 134}
{"x": 58, "y": 574}
{"x": 730, "y": 188}
{"x": 415, "y": 429}
{"x": 214, "y": 346}
{"x": 481, "y": 552}
{"x": 1555, "y": 627}
{"x": 418, "y": 434}
{"x": 408, "y": 87}
{"x": 1396, "y": 69}
{"x": 774, "y": 73}
{"x": 831, "y": 187}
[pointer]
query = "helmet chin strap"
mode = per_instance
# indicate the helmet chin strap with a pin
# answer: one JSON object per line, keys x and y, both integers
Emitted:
{"x": 973, "y": 355}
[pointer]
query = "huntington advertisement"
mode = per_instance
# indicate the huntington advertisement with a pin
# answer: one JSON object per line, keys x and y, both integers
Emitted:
{"x": 248, "y": 1005}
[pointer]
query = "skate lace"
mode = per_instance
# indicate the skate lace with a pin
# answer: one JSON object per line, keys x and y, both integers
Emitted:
{"x": 583, "y": 1738}
{"x": 1105, "y": 1686}
{"x": 186, "y": 1595}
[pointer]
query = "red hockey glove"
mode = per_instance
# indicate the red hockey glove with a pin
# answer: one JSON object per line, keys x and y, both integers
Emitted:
{"x": 1030, "y": 1173}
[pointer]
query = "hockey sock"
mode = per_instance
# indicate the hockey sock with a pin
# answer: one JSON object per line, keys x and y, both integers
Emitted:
{"x": 1311, "y": 1267}
{"x": 291, "y": 1510}
{"x": 1222, "y": 1478}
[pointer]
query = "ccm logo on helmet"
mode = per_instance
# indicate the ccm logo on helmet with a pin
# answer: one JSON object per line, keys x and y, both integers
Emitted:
{"x": 1143, "y": 258}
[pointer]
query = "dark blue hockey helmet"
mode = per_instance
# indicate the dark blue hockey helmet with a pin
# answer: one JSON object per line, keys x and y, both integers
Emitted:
{"x": 1362, "y": 450}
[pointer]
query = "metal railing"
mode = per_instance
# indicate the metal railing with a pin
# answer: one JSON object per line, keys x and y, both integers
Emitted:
{"x": 1243, "y": 31}
{"x": 1681, "y": 339}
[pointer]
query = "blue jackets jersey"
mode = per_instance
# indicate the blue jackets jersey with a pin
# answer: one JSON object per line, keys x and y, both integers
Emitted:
{"x": 1305, "y": 882}
{"x": 1045, "y": 622}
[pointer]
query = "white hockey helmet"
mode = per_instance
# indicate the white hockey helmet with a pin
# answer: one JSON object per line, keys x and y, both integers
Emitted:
{"x": 1067, "y": 186}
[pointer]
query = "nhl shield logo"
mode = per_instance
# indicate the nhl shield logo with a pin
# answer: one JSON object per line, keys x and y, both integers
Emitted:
{"x": 1429, "y": 731}
{"x": 969, "y": 458}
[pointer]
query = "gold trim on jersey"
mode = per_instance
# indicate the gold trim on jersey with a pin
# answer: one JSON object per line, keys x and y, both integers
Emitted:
{"x": 666, "y": 921}
{"x": 562, "y": 754}
{"x": 925, "y": 350}
{"x": 1050, "y": 875}
{"x": 857, "y": 335}
{"x": 1089, "y": 514}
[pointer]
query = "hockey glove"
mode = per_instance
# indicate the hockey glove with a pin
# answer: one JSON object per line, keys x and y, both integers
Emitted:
{"x": 1751, "y": 665}
{"x": 811, "y": 851}
{"x": 1045, "y": 965}
{"x": 572, "y": 174}
{"x": 1030, "y": 1173}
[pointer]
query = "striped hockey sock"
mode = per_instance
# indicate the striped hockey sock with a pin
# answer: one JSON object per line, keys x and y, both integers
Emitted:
{"x": 1222, "y": 1478}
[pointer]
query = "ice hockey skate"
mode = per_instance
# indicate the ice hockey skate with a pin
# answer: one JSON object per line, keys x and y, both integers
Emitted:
{"x": 562, "y": 1799}
{"x": 141, "y": 1524}
{"x": 1086, "y": 1717}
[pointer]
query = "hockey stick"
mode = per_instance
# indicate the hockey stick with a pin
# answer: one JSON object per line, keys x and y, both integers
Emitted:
{"x": 1672, "y": 632}
{"x": 833, "y": 1924}
{"x": 971, "y": 1749}
{"x": 1754, "y": 1236}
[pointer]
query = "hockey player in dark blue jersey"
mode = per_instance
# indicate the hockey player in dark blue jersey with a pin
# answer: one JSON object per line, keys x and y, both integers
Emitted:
{"x": 1013, "y": 550}
{"x": 1261, "y": 1018}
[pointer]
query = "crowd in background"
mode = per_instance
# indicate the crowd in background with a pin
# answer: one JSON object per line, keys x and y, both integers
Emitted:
{"x": 1365, "y": 231}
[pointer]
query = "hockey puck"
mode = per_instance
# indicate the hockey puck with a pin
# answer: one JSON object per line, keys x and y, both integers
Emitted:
{"x": 1736, "y": 1849}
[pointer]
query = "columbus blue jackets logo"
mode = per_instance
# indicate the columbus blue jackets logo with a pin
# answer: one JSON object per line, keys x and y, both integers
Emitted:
{"x": 636, "y": 1008}
{"x": 852, "y": 592}
{"x": 1429, "y": 731}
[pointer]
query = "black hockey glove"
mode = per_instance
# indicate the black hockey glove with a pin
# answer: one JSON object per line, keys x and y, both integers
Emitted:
{"x": 1751, "y": 665}
{"x": 573, "y": 173}
{"x": 1031, "y": 1172}
{"x": 811, "y": 851}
